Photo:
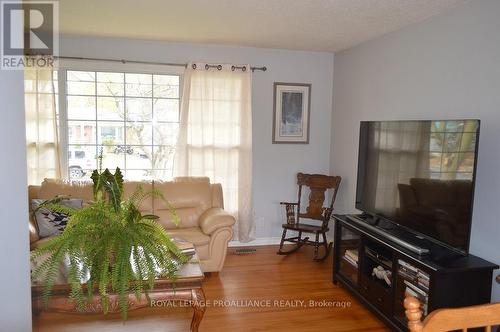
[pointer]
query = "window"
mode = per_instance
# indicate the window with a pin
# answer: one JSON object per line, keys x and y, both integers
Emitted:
{"x": 451, "y": 148}
{"x": 131, "y": 118}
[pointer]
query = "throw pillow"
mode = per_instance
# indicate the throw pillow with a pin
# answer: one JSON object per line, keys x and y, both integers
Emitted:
{"x": 52, "y": 223}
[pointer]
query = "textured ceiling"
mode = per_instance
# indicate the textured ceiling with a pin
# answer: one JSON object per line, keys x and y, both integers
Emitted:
{"x": 315, "y": 25}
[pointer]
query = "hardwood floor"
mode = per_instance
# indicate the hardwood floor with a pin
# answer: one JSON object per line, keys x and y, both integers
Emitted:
{"x": 249, "y": 279}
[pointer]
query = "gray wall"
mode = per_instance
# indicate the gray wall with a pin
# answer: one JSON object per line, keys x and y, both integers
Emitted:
{"x": 274, "y": 165}
{"x": 445, "y": 67}
{"x": 15, "y": 306}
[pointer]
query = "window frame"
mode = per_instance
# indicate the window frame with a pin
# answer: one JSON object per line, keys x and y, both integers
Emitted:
{"x": 65, "y": 65}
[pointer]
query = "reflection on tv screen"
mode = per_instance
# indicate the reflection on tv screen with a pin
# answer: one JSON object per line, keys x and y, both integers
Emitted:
{"x": 420, "y": 174}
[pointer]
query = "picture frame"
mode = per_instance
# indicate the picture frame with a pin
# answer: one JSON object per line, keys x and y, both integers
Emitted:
{"x": 291, "y": 113}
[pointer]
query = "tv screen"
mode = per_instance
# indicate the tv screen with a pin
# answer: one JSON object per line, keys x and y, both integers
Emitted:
{"x": 420, "y": 174}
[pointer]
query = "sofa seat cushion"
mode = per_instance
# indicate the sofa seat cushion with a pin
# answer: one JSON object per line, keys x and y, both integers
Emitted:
{"x": 191, "y": 234}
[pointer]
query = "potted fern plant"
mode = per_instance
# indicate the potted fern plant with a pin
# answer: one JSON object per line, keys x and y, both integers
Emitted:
{"x": 109, "y": 246}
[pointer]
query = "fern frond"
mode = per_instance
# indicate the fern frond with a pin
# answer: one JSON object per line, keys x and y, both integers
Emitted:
{"x": 109, "y": 245}
{"x": 171, "y": 208}
{"x": 58, "y": 208}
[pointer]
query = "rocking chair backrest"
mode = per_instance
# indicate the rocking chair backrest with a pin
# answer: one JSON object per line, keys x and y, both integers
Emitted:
{"x": 318, "y": 184}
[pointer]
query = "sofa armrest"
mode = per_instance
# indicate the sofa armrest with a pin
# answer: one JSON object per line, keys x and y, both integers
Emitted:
{"x": 33, "y": 232}
{"x": 215, "y": 218}
{"x": 34, "y": 245}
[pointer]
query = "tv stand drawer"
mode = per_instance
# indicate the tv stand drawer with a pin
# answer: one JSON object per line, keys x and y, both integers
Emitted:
{"x": 376, "y": 294}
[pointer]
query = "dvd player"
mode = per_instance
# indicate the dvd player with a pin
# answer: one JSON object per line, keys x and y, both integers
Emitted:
{"x": 414, "y": 248}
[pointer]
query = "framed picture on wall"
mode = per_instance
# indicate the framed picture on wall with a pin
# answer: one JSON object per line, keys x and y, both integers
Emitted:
{"x": 292, "y": 103}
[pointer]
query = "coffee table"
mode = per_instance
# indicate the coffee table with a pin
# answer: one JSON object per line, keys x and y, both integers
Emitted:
{"x": 187, "y": 287}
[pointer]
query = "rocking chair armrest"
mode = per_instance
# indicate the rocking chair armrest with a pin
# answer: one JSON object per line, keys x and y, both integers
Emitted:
{"x": 290, "y": 208}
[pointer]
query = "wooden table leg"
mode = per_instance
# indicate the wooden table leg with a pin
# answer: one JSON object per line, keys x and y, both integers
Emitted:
{"x": 198, "y": 304}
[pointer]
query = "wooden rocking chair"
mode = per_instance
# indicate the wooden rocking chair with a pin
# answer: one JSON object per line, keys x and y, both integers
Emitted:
{"x": 486, "y": 315}
{"x": 318, "y": 185}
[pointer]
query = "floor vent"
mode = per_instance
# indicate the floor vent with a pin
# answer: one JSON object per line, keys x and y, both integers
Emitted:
{"x": 245, "y": 251}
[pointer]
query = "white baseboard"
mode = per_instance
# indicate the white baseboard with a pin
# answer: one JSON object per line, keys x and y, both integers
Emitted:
{"x": 262, "y": 241}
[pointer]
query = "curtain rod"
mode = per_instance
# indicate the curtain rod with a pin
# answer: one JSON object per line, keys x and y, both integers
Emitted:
{"x": 263, "y": 68}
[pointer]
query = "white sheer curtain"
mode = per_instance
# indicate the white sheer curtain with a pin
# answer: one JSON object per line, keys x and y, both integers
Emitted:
{"x": 215, "y": 137}
{"x": 42, "y": 140}
{"x": 401, "y": 152}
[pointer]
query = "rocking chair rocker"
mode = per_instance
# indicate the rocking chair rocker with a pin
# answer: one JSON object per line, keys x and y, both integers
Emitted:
{"x": 318, "y": 185}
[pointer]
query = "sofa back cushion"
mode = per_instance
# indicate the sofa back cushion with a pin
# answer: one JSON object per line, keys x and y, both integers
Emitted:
{"x": 407, "y": 198}
{"x": 463, "y": 188}
{"x": 190, "y": 196}
{"x": 442, "y": 193}
{"x": 190, "y": 199}
{"x": 432, "y": 193}
{"x": 51, "y": 188}
{"x": 129, "y": 188}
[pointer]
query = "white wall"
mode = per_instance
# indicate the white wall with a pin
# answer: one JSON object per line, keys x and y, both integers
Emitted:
{"x": 275, "y": 165}
{"x": 15, "y": 306}
{"x": 445, "y": 67}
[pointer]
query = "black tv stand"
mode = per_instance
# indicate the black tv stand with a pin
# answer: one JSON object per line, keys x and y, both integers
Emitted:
{"x": 442, "y": 279}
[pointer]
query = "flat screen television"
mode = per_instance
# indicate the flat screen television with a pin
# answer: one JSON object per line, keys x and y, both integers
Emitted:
{"x": 420, "y": 175}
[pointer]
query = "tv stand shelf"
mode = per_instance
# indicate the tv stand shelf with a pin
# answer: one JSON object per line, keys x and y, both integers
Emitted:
{"x": 379, "y": 272}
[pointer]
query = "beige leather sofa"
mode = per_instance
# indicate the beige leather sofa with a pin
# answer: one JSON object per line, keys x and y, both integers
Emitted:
{"x": 198, "y": 203}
